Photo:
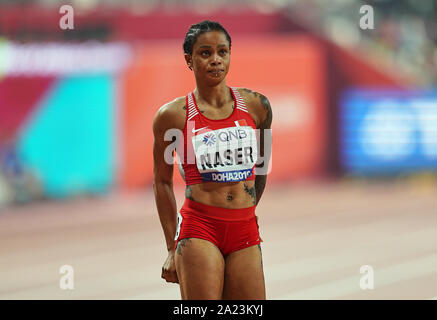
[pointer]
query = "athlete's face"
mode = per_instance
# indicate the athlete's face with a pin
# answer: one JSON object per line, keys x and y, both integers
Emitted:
{"x": 211, "y": 57}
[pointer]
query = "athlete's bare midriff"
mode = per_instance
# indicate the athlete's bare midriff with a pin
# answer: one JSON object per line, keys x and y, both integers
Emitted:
{"x": 230, "y": 195}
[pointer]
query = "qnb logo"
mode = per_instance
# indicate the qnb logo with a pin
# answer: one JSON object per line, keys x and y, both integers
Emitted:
{"x": 209, "y": 139}
{"x": 230, "y": 135}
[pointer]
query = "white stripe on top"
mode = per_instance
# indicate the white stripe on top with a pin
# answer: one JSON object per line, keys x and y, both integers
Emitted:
{"x": 192, "y": 112}
{"x": 240, "y": 102}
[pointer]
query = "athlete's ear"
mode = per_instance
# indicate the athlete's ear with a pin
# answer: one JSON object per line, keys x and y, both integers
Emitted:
{"x": 188, "y": 60}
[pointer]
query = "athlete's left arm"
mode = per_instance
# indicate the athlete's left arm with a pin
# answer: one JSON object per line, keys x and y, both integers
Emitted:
{"x": 264, "y": 126}
{"x": 261, "y": 111}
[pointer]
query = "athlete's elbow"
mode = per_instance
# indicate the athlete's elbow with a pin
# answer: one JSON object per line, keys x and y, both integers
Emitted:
{"x": 160, "y": 184}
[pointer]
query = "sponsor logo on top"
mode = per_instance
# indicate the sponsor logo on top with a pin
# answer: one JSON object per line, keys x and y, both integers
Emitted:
{"x": 209, "y": 139}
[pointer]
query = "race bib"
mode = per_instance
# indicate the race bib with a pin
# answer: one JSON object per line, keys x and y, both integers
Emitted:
{"x": 226, "y": 155}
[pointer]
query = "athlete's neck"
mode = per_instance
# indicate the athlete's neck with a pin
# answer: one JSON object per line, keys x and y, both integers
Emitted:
{"x": 215, "y": 97}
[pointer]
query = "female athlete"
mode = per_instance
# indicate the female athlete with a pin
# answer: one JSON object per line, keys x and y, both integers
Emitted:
{"x": 213, "y": 242}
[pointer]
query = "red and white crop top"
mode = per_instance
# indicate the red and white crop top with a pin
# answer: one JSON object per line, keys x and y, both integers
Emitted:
{"x": 222, "y": 150}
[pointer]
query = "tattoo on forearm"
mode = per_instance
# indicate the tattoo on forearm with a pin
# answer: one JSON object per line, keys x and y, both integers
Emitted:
{"x": 251, "y": 192}
{"x": 181, "y": 243}
{"x": 189, "y": 193}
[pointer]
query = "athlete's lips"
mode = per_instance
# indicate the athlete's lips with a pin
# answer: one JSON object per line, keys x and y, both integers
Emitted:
{"x": 216, "y": 71}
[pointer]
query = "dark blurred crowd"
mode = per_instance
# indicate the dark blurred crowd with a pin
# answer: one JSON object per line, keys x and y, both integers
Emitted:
{"x": 403, "y": 38}
{"x": 407, "y": 34}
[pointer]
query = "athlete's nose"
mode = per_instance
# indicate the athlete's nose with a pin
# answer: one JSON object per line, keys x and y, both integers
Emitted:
{"x": 216, "y": 60}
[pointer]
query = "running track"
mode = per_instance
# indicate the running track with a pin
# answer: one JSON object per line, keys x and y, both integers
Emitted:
{"x": 316, "y": 238}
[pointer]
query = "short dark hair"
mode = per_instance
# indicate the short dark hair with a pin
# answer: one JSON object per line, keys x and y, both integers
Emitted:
{"x": 199, "y": 28}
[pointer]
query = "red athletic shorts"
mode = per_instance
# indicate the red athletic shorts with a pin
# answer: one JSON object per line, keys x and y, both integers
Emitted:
{"x": 228, "y": 229}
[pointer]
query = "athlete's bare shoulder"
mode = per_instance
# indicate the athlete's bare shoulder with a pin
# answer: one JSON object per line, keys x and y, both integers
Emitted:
{"x": 258, "y": 106}
{"x": 171, "y": 115}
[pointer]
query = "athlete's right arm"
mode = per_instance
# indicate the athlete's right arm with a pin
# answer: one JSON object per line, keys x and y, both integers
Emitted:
{"x": 165, "y": 119}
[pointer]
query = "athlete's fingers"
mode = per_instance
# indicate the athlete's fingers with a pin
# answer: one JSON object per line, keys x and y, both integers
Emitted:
{"x": 170, "y": 277}
{"x": 173, "y": 277}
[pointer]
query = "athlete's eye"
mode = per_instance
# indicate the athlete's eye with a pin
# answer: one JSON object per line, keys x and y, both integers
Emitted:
{"x": 205, "y": 53}
{"x": 223, "y": 51}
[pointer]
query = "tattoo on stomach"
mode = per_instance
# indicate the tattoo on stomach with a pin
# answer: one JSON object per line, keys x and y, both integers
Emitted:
{"x": 189, "y": 193}
{"x": 251, "y": 192}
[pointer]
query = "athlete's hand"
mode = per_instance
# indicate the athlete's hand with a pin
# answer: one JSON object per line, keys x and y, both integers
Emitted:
{"x": 169, "y": 268}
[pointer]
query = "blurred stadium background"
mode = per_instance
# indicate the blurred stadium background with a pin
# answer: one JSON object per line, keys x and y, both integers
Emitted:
{"x": 354, "y": 163}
